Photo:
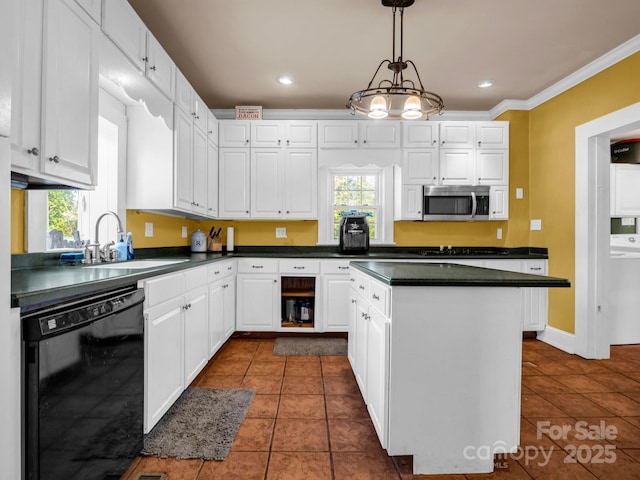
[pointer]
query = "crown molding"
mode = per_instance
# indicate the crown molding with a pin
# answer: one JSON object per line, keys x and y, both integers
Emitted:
{"x": 610, "y": 58}
{"x": 320, "y": 114}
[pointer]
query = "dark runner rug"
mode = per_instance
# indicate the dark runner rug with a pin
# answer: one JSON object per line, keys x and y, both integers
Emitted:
{"x": 201, "y": 424}
{"x": 310, "y": 346}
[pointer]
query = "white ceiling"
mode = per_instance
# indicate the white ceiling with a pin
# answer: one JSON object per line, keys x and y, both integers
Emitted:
{"x": 233, "y": 51}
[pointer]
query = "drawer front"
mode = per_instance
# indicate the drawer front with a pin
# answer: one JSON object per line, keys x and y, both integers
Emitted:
{"x": 219, "y": 270}
{"x": 257, "y": 265}
{"x": 379, "y": 297}
{"x": 361, "y": 284}
{"x": 336, "y": 267}
{"x": 195, "y": 277}
{"x": 165, "y": 287}
{"x": 299, "y": 266}
{"x": 536, "y": 267}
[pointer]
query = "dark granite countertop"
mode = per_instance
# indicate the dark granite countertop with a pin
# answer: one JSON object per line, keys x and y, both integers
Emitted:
{"x": 452, "y": 275}
{"x": 40, "y": 278}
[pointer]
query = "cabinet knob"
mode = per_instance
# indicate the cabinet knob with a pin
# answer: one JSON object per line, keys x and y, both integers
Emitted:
{"x": 279, "y": 211}
{"x": 33, "y": 151}
{"x": 152, "y": 68}
{"x": 434, "y": 142}
{"x": 353, "y": 300}
{"x": 479, "y": 143}
{"x": 145, "y": 59}
{"x": 246, "y": 211}
{"x": 442, "y": 142}
{"x": 434, "y": 178}
{"x": 54, "y": 159}
{"x": 364, "y": 141}
{"x": 287, "y": 211}
{"x": 279, "y": 142}
{"x": 288, "y": 143}
{"x": 355, "y": 141}
{"x": 246, "y": 141}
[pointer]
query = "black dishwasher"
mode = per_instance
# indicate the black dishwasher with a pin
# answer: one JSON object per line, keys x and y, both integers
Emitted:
{"x": 84, "y": 386}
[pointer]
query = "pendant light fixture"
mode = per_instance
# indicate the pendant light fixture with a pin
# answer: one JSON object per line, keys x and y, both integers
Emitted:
{"x": 398, "y": 97}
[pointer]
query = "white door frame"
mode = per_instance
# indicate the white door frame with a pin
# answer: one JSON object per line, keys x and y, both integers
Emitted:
{"x": 592, "y": 228}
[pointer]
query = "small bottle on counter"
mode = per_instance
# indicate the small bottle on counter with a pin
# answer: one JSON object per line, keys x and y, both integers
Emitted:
{"x": 129, "y": 246}
{"x": 122, "y": 248}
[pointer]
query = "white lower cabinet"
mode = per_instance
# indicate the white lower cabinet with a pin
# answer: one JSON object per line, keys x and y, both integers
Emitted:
{"x": 335, "y": 295}
{"x": 222, "y": 304}
{"x": 378, "y": 372}
{"x": 258, "y": 299}
{"x": 176, "y": 338}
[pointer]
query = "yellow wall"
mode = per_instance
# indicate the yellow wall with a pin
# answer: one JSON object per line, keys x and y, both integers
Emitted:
{"x": 17, "y": 221}
{"x": 552, "y": 172}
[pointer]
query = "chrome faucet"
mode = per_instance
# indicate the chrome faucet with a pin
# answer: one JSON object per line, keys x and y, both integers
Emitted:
{"x": 98, "y": 255}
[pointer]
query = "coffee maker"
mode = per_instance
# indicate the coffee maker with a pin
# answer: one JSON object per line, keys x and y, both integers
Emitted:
{"x": 354, "y": 234}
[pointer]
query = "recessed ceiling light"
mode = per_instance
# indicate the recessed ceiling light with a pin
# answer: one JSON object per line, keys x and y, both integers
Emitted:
{"x": 486, "y": 83}
{"x": 285, "y": 80}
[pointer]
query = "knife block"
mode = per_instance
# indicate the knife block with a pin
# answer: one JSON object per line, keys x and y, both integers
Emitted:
{"x": 214, "y": 244}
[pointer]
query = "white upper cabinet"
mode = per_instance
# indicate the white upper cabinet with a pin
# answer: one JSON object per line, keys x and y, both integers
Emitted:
{"x": 492, "y": 167}
{"x": 93, "y": 8}
{"x": 266, "y": 183}
{"x": 234, "y": 133}
{"x": 159, "y": 67}
{"x": 457, "y": 167}
{"x": 625, "y": 194}
{"x": 457, "y": 134}
{"x": 189, "y": 101}
{"x": 212, "y": 178}
{"x": 125, "y": 28}
{"x": 420, "y": 166}
{"x": 122, "y": 24}
{"x": 300, "y": 185}
{"x": 212, "y": 127}
{"x": 70, "y": 93}
{"x": 354, "y": 134}
{"x": 499, "y": 202}
{"x": 492, "y": 135}
{"x": 234, "y": 182}
{"x": 288, "y": 134}
{"x": 420, "y": 134}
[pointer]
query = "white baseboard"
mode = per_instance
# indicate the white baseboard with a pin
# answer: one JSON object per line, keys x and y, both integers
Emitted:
{"x": 558, "y": 338}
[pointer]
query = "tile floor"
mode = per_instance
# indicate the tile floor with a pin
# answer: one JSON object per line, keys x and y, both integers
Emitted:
{"x": 580, "y": 420}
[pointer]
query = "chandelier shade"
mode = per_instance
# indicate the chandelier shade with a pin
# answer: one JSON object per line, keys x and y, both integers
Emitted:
{"x": 399, "y": 97}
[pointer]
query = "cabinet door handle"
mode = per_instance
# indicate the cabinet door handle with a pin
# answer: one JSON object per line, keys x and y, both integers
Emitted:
{"x": 353, "y": 300}
{"x": 535, "y": 268}
{"x": 33, "y": 151}
{"x": 145, "y": 59}
{"x": 298, "y": 268}
{"x": 361, "y": 287}
{"x": 257, "y": 266}
{"x": 340, "y": 267}
{"x": 217, "y": 272}
{"x": 352, "y": 279}
{"x": 54, "y": 159}
{"x": 152, "y": 67}
{"x": 375, "y": 297}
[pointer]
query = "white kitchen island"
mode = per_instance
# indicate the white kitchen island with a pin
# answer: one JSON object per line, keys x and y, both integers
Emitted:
{"x": 436, "y": 351}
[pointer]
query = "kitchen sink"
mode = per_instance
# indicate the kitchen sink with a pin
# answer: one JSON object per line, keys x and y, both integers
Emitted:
{"x": 137, "y": 264}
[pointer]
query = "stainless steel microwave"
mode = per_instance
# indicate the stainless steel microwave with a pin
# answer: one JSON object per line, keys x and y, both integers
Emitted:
{"x": 455, "y": 202}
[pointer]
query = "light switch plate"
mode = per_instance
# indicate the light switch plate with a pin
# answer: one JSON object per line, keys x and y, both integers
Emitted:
{"x": 281, "y": 232}
{"x": 499, "y": 234}
{"x": 148, "y": 229}
{"x": 536, "y": 224}
{"x": 519, "y": 193}
{"x": 184, "y": 232}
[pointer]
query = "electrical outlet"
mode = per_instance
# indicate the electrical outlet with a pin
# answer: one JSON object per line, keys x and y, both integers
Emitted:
{"x": 499, "y": 234}
{"x": 536, "y": 224}
{"x": 519, "y": 193}
{"x": 184, "y": 232}
{"x": 281, "y": 232}
{"x": 148, "y": 229}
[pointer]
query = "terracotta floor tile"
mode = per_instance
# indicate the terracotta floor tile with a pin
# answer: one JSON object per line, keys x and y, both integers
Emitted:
{"x": 616, "y": 382}
{"x": 341, "y": 385}
{"x": 335, "y": 360}
{"x": 544, "y": 384}
{"x": 302, "y": 385}
{"x": 301, "y": 406}
{"x": 237, "y": 466}
{"x": 175, "y": 469}
{"x": 305, "y": 360}
{"x": 220, "y": 381}
{"x": 533, "y": 406}
{"x": 335, "y": 369}
{"x": 254, "y": 435}
{"x": 552, "y": 466}
{"x": 299, "y": 466}
{"x": 581, "y": 383}
{"x": 626, "y": 467}
{"x": 617, "y": 403}
{"x": 264, "y": 406}
{"x": 263, "y": 367}
{"x": 346, "y": 406}
{"x": 574, "y": 404}
{"x": 302, "y": 370}
{"x": 263, "y": 384}
{"x": 300, "y": 435}
{"x": 234, "y": 356}
{"x": 363, "y": 466}
{"x": 228, "y": 367}
{"x": 355, "y": 435}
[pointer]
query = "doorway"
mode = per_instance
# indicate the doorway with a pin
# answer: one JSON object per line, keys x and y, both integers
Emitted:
{"x": 592, "y": 220}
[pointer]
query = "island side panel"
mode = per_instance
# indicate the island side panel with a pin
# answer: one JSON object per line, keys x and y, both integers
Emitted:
{"x": 454, "y": 376}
